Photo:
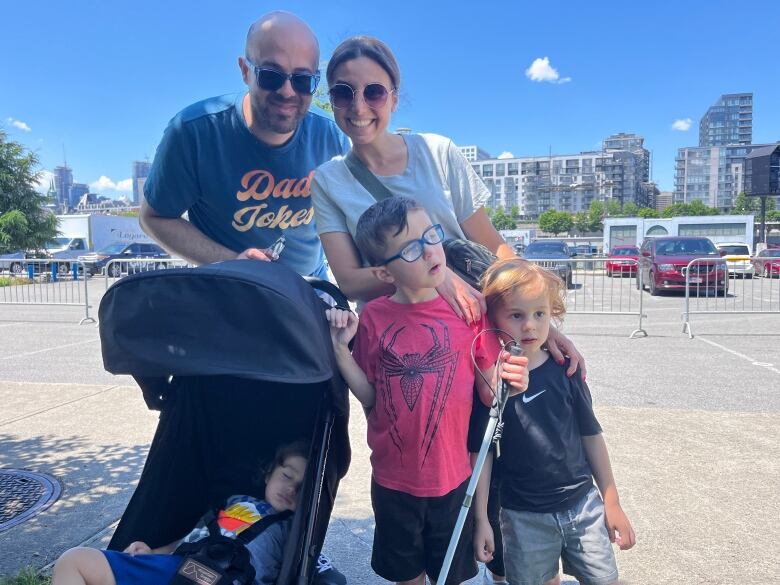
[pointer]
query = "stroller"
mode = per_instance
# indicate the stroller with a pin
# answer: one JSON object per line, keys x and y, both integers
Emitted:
{"x": 238, "y": 359}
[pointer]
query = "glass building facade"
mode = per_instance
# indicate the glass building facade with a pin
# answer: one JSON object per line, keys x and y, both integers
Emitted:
{"x": 729, "y": 121}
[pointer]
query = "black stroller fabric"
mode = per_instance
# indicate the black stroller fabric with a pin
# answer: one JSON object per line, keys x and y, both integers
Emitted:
{"x": 238, "y": 358}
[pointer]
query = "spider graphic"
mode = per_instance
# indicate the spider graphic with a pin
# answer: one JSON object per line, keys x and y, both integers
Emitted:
{"x": 411, "y": 367}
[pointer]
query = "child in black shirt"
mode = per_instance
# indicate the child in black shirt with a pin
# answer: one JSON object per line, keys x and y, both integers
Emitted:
{"x": 551, "y": 448}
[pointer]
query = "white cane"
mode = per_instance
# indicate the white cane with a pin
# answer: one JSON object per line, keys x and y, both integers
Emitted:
{"x": 496, "y": 411}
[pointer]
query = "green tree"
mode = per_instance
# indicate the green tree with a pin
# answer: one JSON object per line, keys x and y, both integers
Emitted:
{"x": 24, "y": 223}
{"x": 514, "y": 213}
{"x": 647, "y": 212}
{"x": 744, "y": 205}
{"x": 596, "y": 213}
{"x": 582, "y": 222}
{"x": 555, "y": 222}
{"x": 613, "y": 208}
{"x": 630, "y": 209}
{"x": 697, "y": 207}
{"x": 501, "y": 221}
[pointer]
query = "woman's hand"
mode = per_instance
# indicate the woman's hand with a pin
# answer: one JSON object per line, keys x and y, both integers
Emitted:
{"x": 467, "y": 302}
{"x": 559, "y": 345}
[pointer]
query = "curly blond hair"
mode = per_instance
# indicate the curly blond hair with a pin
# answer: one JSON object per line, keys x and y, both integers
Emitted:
{"x": 504, "y": 277}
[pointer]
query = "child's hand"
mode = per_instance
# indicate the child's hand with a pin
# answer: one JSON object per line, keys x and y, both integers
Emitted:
{"x": 618, "y": 526}
{"x": 343, "y": 326}
{"x": 514, "y": 369}
{"x": 138, "y": 548}
{"x": 483, "y": 541}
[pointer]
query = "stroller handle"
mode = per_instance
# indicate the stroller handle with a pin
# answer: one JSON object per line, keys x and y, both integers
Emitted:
{"x": 342, "y": 302}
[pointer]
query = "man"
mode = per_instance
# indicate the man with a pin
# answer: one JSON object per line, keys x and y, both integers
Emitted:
{"x": 241, "y": 166}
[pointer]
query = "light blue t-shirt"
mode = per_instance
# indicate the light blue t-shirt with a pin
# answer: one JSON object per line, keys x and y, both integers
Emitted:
{"x": 237, "y": 190}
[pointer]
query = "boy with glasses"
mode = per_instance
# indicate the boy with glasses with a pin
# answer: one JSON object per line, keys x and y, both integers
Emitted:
{"x": 411, "y": 369}
{"x": 241, "y": 166}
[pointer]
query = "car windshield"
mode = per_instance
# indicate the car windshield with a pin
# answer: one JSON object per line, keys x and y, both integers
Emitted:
{"x": 625, "y": 252}
{"x": 58, "y": 243}
{"x": 115, "y": 248}
{"x": 735, "y": 250}
{"x": 773, "y": 253}
{"x": 545, "y": 248}
{"x": 685, "y": 248}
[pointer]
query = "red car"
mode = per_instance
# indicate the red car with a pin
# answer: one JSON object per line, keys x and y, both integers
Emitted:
{"x": 622, "y": 261}
{"x": 767, "y": 263}
{"x": 663, "y": 264}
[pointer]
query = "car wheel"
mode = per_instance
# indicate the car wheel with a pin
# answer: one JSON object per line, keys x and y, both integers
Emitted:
{"x": 63, "y": 269}
{"x": 569, "y": 280}
{"x": 17, "y": 268}
{"x": 115, "y": 270}
{"x": 766, "y": 271}
{"x": 653, "y": 290}
{"x": 609, "y": 273}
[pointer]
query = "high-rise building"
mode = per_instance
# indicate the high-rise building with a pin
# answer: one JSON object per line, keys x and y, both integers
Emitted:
{"x": 714, "y": 176}
{"x": 77, "y": 191}
{"x": 728, "y": 121}
{"x": 663, "y": 200}
{"x": 473, "y": 153}
{"x": 571, "y": 182}
{"x": 63, "y": 180}
{"x": 140, "y": 172}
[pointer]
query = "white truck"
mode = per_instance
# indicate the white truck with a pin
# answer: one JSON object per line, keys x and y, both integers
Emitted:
{"x": 77, "y": 235}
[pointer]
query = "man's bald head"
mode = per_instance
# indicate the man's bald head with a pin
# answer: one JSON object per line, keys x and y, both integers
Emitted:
{"x": 276, "y": 28}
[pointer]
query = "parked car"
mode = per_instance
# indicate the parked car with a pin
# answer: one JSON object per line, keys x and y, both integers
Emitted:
{"x": 552, "y": 255}
{"x": 663, "y": 262}
{"x": 622, "y": 260}
{"x": 737, "y": 257}
{"x": 767, "y": 263}
{"x": 97, "y": 262}
{"x": 13, "y": 262}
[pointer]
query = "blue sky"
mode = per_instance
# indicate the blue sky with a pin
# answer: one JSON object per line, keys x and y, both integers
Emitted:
{"x": 103, "y": 78}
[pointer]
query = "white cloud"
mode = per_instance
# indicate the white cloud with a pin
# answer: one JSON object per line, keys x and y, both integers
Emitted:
{"x": 506, "y": 154}
{"x": 683, "y": 124}
{"x": 19, "y": 124}
{"x": 541, "y": 70}
{"x": 105, "y": 183}
{"x": 44, "y": 180}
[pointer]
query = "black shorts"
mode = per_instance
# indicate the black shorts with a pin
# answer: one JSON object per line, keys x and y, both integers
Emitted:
{"x": 412, "y": 535}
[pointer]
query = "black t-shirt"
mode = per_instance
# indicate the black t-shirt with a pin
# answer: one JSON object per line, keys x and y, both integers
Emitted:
{"x": 543, "y": 465}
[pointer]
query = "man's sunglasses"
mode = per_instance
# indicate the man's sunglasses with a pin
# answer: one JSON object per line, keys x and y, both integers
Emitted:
{"x": 273, "y": 79}
{"x": 342, "y": 95}
{"x": 413, "y": 251}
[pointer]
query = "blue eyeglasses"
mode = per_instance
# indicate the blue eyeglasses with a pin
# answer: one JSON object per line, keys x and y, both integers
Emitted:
{"x": 414, "y": 250}
{"x": 272, "y": 79}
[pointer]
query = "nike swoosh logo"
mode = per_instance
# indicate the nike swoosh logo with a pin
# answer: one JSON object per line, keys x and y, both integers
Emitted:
{"x": 527, "y": 399}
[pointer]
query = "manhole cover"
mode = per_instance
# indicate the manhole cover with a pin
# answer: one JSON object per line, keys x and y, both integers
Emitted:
{"x": 23, "y": 494}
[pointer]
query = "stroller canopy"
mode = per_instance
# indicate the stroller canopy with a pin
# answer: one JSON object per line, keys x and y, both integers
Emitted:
{"x": 257, "y": 320}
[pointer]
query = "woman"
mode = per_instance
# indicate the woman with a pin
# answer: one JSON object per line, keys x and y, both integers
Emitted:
{"x": 364, "y": 80}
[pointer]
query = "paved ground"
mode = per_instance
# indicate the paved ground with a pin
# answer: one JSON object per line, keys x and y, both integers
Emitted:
{"x": 693, "y": 426}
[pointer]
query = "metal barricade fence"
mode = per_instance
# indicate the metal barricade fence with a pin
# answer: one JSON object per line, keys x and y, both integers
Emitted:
{"x": 115, "y": 269}
{"x": 48, "y": 282}
{"x": 711, "y": 288}
{"x": 601, "y": 286}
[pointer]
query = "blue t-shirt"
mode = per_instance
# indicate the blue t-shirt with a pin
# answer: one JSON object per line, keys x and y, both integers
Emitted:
{"x": 237, "y": 190}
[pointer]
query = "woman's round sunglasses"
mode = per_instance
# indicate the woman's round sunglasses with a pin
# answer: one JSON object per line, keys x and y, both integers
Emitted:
{"x": 273, "y": 79}
{"x": 342, "y": 95}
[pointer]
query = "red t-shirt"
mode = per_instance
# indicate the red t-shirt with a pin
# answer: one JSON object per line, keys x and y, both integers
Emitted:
{"x": 418, "y": 357}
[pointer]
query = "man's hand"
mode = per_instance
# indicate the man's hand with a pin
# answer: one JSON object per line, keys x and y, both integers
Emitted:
{"x": 467, "y": 302}
{"x": 618, "y": 526}
{"x": 559, "y": 345}
{"x": 343, "y": 326}
{"x": 484, "y": 545}
{"x": 257, "y": 254}
{"x": 138, "y": 548}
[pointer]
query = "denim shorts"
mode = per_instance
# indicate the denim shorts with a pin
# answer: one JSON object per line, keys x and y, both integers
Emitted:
{"x": 533, "y": 543}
